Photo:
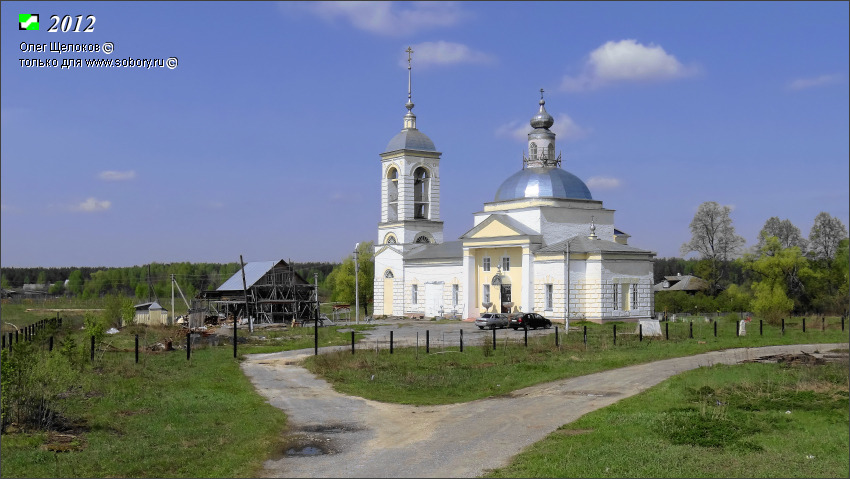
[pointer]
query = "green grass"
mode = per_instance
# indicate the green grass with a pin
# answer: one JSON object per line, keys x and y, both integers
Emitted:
{"x": 163, "y": 417}
{"x": 718, "y": 421}
{"x": 409, "y": 376}
{"x": 169, "y": 417}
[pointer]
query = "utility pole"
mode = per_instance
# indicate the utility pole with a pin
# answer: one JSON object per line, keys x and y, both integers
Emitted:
{"x": 356, "y": 287}
{"x": 316, "y": 322}
{"x": 245, "y": 290}
{"x": 173, "y": 320}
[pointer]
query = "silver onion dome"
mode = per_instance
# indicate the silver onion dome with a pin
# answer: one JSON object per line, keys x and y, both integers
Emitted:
{"x": 547, "y": 182}
{"x": 542, "y": 119}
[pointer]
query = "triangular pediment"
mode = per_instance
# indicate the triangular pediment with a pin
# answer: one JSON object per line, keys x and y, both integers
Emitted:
{"x": 498, "y": 226}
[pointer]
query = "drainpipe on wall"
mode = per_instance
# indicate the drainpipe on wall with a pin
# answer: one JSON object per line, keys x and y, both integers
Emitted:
{"x": 566, "y": 285}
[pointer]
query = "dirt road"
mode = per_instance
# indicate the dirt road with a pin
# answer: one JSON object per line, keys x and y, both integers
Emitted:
{"x": 346, "y": 436}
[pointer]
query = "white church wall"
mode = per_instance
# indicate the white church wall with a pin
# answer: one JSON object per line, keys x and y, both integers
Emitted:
{"x": 426, "y": 276}
{"x": 390, "y": 259}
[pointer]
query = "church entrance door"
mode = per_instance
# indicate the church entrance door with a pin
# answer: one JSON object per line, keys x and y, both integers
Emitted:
{"x": 507, "y": 303}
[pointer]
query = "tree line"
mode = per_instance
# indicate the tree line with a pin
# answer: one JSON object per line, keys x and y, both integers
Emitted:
{"x": 142, "y": 282}
{"x": 784, "y": 273}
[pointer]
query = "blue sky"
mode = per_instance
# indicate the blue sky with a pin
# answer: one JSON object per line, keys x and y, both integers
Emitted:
{"x": 264, "y": 141}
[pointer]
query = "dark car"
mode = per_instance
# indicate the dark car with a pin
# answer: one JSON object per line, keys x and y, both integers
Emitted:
{"x": 529, "y": 320}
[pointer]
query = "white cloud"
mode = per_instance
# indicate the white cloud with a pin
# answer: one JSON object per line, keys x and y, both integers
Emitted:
{"x": 117, "y": 175}
{"x": 92, "y": 205}
{"x": 626, "y": 61}
{"x": 603, "y": 183}
{"x": 386, "y": 18}
{"x": 564, "y": 128}
{"x": 444, "y": 53}
{"x": 804, "y": 83}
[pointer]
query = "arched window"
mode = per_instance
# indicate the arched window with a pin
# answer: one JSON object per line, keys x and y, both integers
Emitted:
{"x": 422, "y": 239}
{"x": 551, "y": 152}
{"x": 390, "y": 239}
{"x": 420, "y": 193}
{"x": 392, "y": 194}
{"x": 532, "y": 150}
{"x": 388, "y": 274}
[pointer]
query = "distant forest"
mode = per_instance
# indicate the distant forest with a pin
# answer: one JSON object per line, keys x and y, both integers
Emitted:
{"x": 91, "y": 282}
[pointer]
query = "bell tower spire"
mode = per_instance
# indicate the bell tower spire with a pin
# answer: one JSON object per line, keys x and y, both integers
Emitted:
{"x": 409, "y": 118}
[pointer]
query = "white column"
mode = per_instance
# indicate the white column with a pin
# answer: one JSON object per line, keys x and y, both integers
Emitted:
{"x": 470, "y": 292}
{"x": 527, "y": 281}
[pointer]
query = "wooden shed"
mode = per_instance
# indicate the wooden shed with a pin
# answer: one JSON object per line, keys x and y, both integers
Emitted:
{"x": 151, "y": 313}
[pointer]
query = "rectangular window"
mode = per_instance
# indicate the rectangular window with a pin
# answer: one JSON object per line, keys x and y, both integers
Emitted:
{"x": 549, "y": 292}
{"x": 616, "y": 296}
{"x": 455, "y": 294}
{"x": 485, "y": 293}
{"x": 486, "y": 263}
{"x": 506, "y": 263}
{"x": 635, "y": 296}
{"x": 414, "y": 292}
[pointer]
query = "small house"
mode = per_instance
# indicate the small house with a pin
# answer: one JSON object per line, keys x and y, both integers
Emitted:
{"x": 688, "y": 283}
{"x": 151, "y": 313}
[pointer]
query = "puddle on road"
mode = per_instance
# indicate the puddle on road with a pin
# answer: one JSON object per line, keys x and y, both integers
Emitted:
{"x": 304, "y": 451}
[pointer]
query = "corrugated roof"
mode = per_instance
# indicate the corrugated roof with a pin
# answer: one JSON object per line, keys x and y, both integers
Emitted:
{"x": 583, "y": 244}
{"x": 682, "y": 283}
{"x": 150, "y": 305}
{"x": 253, "y": 272}
{"x": 447, "y": 250}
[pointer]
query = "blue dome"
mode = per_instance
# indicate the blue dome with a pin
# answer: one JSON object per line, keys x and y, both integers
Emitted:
{"x": 411, "y": 139}
{"x": 547, "y": 182}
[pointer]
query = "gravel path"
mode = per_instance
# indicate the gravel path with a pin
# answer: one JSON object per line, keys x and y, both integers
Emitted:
{"x": 347, "y": 436}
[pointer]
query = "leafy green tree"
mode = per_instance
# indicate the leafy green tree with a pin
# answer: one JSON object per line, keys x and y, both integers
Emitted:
{"x": 117, "y": 311}
{"x": 734, "y": 299}
{"x": 771, "y": 302}
{"x": 141, "y": 291}
{"x": 828, "y": 288}
{"x": 75, "y": 282}
{"x": 782, "y": 273}
{"x": 57, "y": 288}
{"x": 341, "y": 280}
{"x": 713, "y": 238}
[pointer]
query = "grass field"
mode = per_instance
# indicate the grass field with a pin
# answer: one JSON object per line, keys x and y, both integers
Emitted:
{"x": 752, "y": 420}
{"x": 169, "y": 417}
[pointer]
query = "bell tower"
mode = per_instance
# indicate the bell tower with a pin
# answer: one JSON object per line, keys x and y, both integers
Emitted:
{"x": 410, "y": 184}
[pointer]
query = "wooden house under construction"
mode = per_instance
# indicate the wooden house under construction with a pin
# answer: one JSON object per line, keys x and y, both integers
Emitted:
{"x": 275, "y": 292}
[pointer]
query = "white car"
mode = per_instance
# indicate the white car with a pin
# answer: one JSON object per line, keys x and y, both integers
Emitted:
{"x": 492, "y": 321}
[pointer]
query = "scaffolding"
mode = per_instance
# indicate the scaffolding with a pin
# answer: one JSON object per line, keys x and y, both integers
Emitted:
{"x": 276, "y": 294}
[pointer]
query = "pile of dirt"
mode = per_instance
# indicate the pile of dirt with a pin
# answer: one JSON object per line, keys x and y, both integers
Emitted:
{"x": 802, "y": 357}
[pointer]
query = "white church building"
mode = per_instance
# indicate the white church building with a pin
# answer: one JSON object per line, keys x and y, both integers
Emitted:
{"x": 542, "y": 245}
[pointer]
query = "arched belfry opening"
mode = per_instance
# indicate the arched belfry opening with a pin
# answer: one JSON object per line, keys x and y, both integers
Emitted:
{"x": 392, "y": 194}
{"x": 421, "y": 185}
